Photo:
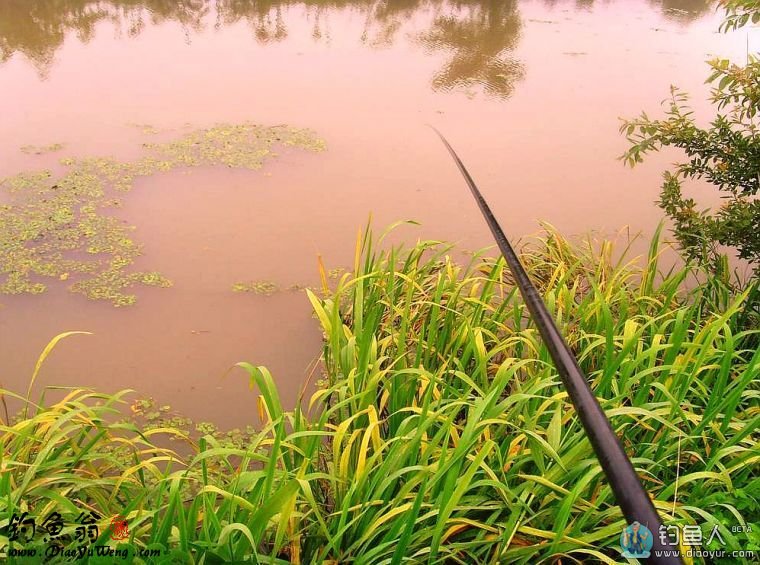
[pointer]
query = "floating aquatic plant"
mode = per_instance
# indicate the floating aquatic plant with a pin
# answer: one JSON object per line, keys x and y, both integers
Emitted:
{"x": 266, "y": 288}
{"x": 145, "y": 128}
{"x": 149, "y": 416}
{"x": 299, "y": 287}
{"x": 58, "y": 226}
{"x": 336, "y": 273}
{"x": 41, "y": 149}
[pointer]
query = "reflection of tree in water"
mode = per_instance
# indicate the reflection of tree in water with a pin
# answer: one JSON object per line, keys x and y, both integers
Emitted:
{"x": 477, "y": 31}
{"x": 37, "y": 29}
{"x": 681, "y": 11}
{"x": 684, "y": 11}
{"x": 383, "y": 18}
{"x": 265, "y": 17}
{"x": 478, "y": 34}
{"x": 481, "y": 41}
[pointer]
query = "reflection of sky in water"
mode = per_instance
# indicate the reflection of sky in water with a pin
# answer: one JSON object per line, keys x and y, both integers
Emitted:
{"x": 478, "y": 37}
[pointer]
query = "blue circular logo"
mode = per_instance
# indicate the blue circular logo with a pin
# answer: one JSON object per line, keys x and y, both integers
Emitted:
{"x": 636, "y": 540}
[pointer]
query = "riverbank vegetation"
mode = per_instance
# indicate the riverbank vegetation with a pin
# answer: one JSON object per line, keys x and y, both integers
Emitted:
{"x": 440, "y": 431}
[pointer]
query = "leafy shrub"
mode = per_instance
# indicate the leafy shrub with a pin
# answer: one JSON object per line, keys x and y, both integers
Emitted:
{"x": 726, "y": 154}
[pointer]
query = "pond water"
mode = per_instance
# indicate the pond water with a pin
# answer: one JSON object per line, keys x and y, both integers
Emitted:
{"x": 528, "y": 92}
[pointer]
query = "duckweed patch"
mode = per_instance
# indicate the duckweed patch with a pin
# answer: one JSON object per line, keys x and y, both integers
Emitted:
{"x": 41, "y": 149}
{"x": 149, "y": 416}
{"x": 145, "y": 128}
{"x": 267, "y": 288}
{"x": 336, "y": 273}
{"x": 298, "y": 287}
{"x": 58, "y": 226}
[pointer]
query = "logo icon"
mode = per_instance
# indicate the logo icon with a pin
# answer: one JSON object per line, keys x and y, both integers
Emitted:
{"x": 636, "y": 540}
{"x": 120, "y": 529}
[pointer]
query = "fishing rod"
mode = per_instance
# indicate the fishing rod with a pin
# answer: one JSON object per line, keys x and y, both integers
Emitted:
{"x": 629, "y": 493}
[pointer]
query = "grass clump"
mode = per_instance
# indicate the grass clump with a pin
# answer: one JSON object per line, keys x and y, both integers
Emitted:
{"x": 61, "y": 226}
{"x": 441, "y": 432}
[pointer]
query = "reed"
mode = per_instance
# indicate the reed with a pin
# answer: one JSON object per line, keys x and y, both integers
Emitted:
{"x": 441, "y": 432}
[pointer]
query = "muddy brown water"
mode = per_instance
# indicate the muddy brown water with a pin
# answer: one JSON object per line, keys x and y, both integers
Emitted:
{"x": 528, "y": 92}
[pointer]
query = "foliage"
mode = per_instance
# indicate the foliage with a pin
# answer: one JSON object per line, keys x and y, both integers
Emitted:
{"x": 441, "y": 432}
{"x": 725, "y": 154}
{"x": 739, "y": 13}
